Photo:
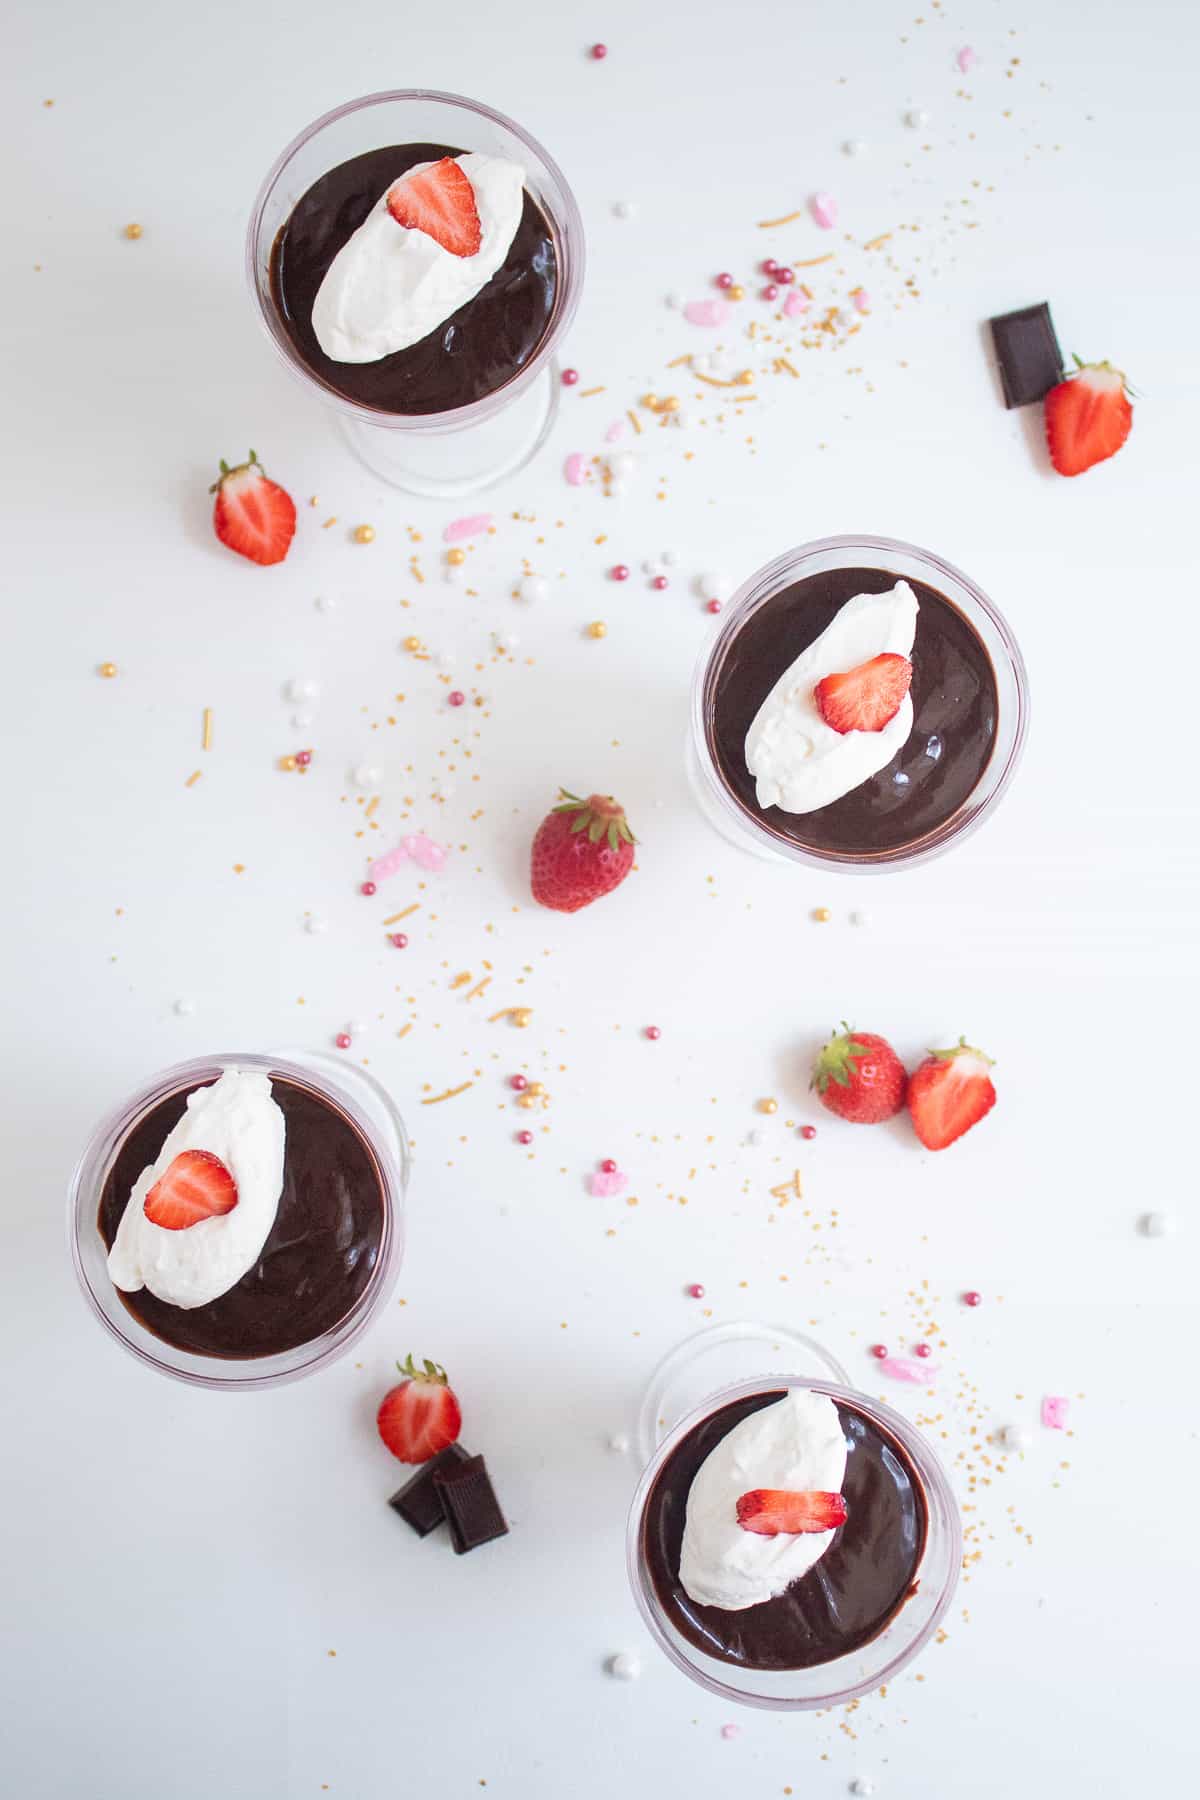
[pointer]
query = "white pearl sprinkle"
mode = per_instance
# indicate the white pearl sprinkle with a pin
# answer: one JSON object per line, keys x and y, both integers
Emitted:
{"x": 1015, "y": 1437}
{"x": 752, "y": 1138}
{"x": 626, "y": 1665}
{"x": 916, "y": 117}
{"x": 302, "y": 687}
{"x": 622, "y": 464}
{"x": 670, "y": 557}
{"x": 325, "y": 603}
{"x": 367, "y": 775}
{"x": 702, "y": 364}
{"x": 185, "y": 1007}
{"x": 446, "y": 659}
{"x": 862, "y": 1784}
{"x": 358, "y": 1028}
{"x": 681, "y": 419}
{"x": 1156, "y": 1224}
{"x": 714, "y": 586}
{"x": 534, "y": 587}
{"x": 618, "y": 1443}
{"x": 623, "y": 209}
{"x": 617, "y": 488}
{"x": 854, "y": 147}
{"x": 301, "y": 719}
{"x": 315, "y": 924}
{"x": 505, "y": 640}
{"x": 860, "y": 918}
{"x": 453, "y": 573}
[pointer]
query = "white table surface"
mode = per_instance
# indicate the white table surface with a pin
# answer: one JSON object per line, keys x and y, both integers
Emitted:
{"x": 181, "y": 1565}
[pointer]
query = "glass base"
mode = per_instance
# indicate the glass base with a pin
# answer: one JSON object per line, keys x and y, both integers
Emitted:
{"x": 448, "y": 465}
{"x": 717, "y": 1358}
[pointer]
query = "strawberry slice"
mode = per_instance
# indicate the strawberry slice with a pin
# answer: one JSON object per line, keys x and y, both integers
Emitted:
{"x": 771, "y": 1512}
{"x": 1088, "y": 417}
{"x": 440, "y": 201}
{"x": 865, "y": 698}
{"x": 421, "y": 1416}
{"x": 948, "y": 1093}
{"x": 252, "y": 515}
{"x": 196, "y": 1186}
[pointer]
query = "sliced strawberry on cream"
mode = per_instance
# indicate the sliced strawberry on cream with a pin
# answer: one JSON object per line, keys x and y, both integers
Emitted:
{"x": 196, "y": 1186}
{"x": 440, "y": 202}
{"x": 776, "y": 1512}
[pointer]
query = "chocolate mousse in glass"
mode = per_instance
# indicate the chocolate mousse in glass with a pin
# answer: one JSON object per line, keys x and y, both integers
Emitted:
{"x": 238, "y": 1220}
{"x": 775, "y": 777}
{"x": 793, "y": 1543}
{"x": 414, "y": 257}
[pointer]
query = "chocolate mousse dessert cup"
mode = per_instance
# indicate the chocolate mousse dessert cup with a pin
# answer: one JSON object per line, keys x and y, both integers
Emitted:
{"x": 414, "y": 258}
{"x": 793, "y": 1543}
{"x": 238, "y": 1220}
{"x": 863, "y": 706}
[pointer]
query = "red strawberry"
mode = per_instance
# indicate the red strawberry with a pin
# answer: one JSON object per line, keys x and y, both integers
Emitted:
{"x": 865, "y": 698}
{"x": 251, "y": 514}
{"x": 948, "y": 1093}
{"x": 196, "y": 1186}
{"x": 421, "y": 1416}
{"x": 770, "y": 1511}
{"x": 1088, "y": 417}
{"x": 583, "y": 849}
{"x": 859, "y": 1077}
{"x": 440, "y": 202}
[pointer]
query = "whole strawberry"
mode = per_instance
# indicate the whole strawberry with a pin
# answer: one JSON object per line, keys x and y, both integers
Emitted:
{"x": 859, "y": 1077}
{"x": 948, "y": 1093}
{"x": 421, "y": 1416}
{"x": 252, "y": 515}
{"x": 582, "y": 850}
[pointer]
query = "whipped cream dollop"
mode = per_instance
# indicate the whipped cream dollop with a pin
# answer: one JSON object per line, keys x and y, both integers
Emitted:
{"x": 798, "y": 761}
{"x": 797, "y": 1445}
{"x": 237, "y": 1119}
{"x": 388, "y": 287}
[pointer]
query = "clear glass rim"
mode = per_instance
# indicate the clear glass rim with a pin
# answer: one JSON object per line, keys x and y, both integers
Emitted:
{"x": 782, "y": 571}
{"x": 565, "y": 220}
{"x": 943, "y": 1517}
{"x": 83, "y": 1198}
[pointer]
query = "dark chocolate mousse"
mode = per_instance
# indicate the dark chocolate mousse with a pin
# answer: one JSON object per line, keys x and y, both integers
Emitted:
{"x": 318, "y": 1257}
{"x": 932, "y": 775}
{"x": 846, "y": 1599}
{"x": 469, "y": 355}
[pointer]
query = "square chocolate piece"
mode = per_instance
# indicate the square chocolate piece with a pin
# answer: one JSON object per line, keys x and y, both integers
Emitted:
{"x": 419, "y": 1502}
{"x": 472, "y": 1510}
{"x": 1028, "y": 353}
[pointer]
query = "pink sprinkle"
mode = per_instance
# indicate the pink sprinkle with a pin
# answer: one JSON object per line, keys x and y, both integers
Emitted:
{"x": 729, "y": 1731}
{"x": 966, "y": 59}
{"x": 879, "y": 1350}
{"x": 609, "y": 1165}
{"x": 861, "y": 299}
{"x": 824, "y": 210}
{"x": 605, "y": 1184}
{"x": 518, "y": 1083}
{"x": 474, "y": 525}
{"x": 367, "y": 888}
{"x": 707, "y": 312}
{"x": 659, "y": 583}
{"x": 903, "y": 1368}
{"x": 456, "y": 697}
{"x": 425, "y": 853}
{"x": 388, "y": 864}
{"x": 616, "y": 430}
{"x": 795, "y": 304}
{"x": 575, "y": 468}
{"x": 598, "y": 52}
{"x": 1054, "y": 1412}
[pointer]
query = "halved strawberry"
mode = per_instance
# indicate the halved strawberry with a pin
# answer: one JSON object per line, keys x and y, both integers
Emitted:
{"x": 252, "y": 515}
{"x": 196, "y": 1186}
{"x": 865, "y": 698}
{"x": 420, "y": 1417}
{"x": 948, "y": 1093}
{"x": 1088, "y": 417}
{"x": 772, "y": 1511}
{"x": 440, "y": 201}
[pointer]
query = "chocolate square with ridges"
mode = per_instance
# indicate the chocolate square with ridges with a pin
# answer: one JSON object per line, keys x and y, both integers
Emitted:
{"x": 472, "y": 1510}
{"x": 1028, "y": 354}
{"x": 419, "y": 1501}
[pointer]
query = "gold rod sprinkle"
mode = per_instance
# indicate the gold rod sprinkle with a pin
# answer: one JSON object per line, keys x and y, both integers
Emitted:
{"x": 634, "y": 421}
{"x": 193, "y": 778}
{"x": 814, "y": 260}
{"x": 713, "y": 381}
{"x": 874, "y": 243}
{"x": 404, "y": 1030}
{"x": 415, "y": 907}
{"x": 206, "y": 730}
{"x": 679, "y": 361}
{"x": 448, "y": 1095}
{"x": 767, "y": 224}
{"x": 478, "y": 988}
{"x": 372, "y": 803}
{"x": 781, "y": 362}
{"x": 586, "y": 393}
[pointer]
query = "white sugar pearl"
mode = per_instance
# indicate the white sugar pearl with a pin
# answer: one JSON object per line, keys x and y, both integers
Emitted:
{"x": 854, "y": 147}
{"x": 367, "y": 775}
{"x": 862, "y": 1784}
{"x": 301, "y": 719}
{"x": 534, "y": 587}
{"x": 325, "y": 603}
{"x": 860, "y": 917}
{"x": 916, "y": 117}
{"x": 618, "y": 1443}
{"x": 670, "y": 557}
{"x": 453, "y": 573}
{"x": 702, "y": 364}
{"x": 1156, "y": 1224}
{"x": 302, "y": 687}
{"x": 446, "y": 659}
{"x": 1015, "y": 1437}
{"x": 315, "y": 924}
{"x": 358, "y": 1027}
{"x": 626, "y": 1665}
{"x": 752, "y": 1138}
{"x": 681, "y": 419}
{"x": 622, "y": 464}
{"x": 185, "y": 1007}
{"x": 714, "y": 586}
{"x": 623, "y": 209}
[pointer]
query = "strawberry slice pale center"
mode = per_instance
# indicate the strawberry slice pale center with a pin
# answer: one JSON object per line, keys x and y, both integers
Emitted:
{"x": 776, "y": 1512}
{"x": 196, "y": 1186}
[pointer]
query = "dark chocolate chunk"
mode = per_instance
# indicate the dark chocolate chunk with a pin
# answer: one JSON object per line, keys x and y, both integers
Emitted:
{"x": 419, "y": 1501}
{"x": 1028, "y": 353}
{"x": 472, "y": 1510}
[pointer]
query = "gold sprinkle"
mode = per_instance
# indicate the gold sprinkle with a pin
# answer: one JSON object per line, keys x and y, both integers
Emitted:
{"x": 769, "y": 224}
{"x": 536, "y": 1088}
{"x": 768, "y": 1106}
{"x": 527, "y": 1101}
{"x": 206, "y": 730}
{"x": 813, "y": 261}
{"x": 781, "y": 362}
{"x": 332, "y": 520}
{"x": 407, "y": 913}
{"x": 449, "y": 1094}
{"x": 288, "y": 763}
{"x": 364, "y": 534}
{"x": 522, "y": 1016}
{"x": 822, "y": 915}
{"x": 403, "y": 1032}
{"x": 874, "y": 243}
{"x": 479, "y": 988}
{"x": 634, "y": 421}
{"x": 679, "y": 362}
{"x": 133, "y": 231}
{"x": 193, "y": 778}
{"x": 456, "y": 556}
{"x": 108, "y": 670}
{"x": 670, "y": 404}
{"x": 412, "y": 643}
{"x": 597, "y": 629}
{"x": 586, "y": 393}
{"x": 737, "y": 291}
{"x": 715, "y": 381}
{"x": 372, "y": 803}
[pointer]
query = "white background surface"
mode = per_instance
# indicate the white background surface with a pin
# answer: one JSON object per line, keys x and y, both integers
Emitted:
{"x": 182, "y": 1564}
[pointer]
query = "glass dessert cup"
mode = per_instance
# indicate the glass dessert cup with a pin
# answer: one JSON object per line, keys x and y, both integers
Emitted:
{"x": 844, "y": 1677}
{"x": 751, "y": 831}
{"x": 351, "y": 1092}
{"x": 441, "y": 454}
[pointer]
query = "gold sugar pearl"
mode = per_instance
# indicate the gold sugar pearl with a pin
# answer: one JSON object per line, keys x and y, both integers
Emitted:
{"x": 522, "y": 1016}
{"x": 364, "y": 534}
{"x": 670, "y": 404}
{"x": 737, "y": 291}
{"x": 768, "y": 1106}
{"x": 108, "y": 670}
{"x": 412, "y": 643}
{"x": 651, "y": 402}
{"x": 288, "y": 762}
{"x": 597, "y": 629}
{"x": 822, "y": 915}
{"x": 455, "y": 557}
{"x": 535, "y": 1088}
{"x": 745, "y": 377}
{"x": 133, "y": 231}
{"x": 528, "y": 1101}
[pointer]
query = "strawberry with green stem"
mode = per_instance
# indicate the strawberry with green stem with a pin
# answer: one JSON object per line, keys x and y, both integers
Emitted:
{"x": 582, "y": 850}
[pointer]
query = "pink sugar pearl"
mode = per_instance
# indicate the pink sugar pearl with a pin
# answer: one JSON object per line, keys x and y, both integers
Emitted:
{"x": 922, "y": 1349}
{"x": 879, "y": 1350}
{"x": 524, "y": 1137}
{"x": 398, "y": 939}
{"x": 518, "y": 1082}
{"x": 570, "y": 377}
{"x": 770, "y": 267}
{"x": 619, "y": 572}
{"x": 714, "y": 606}
{"x": 342, "y": 1040}
{"x": 972, "y": 1297}
{"x": 770, "y": 292}
{"x": 784, "y": 274}
{"x": 609, "y": 1166}
{"x": 653, "y": 1032}
{"x": 303, "y": 758}
{"x": 696, "y": 1290}
{"x": 724, "y": 279}
{"x": 659, "y": 582}
{"x": 598, "y": 52}
{"x": 368, "y": 888}
{"x": 808, "y": 1132}
{"x": 456, "y": 697}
